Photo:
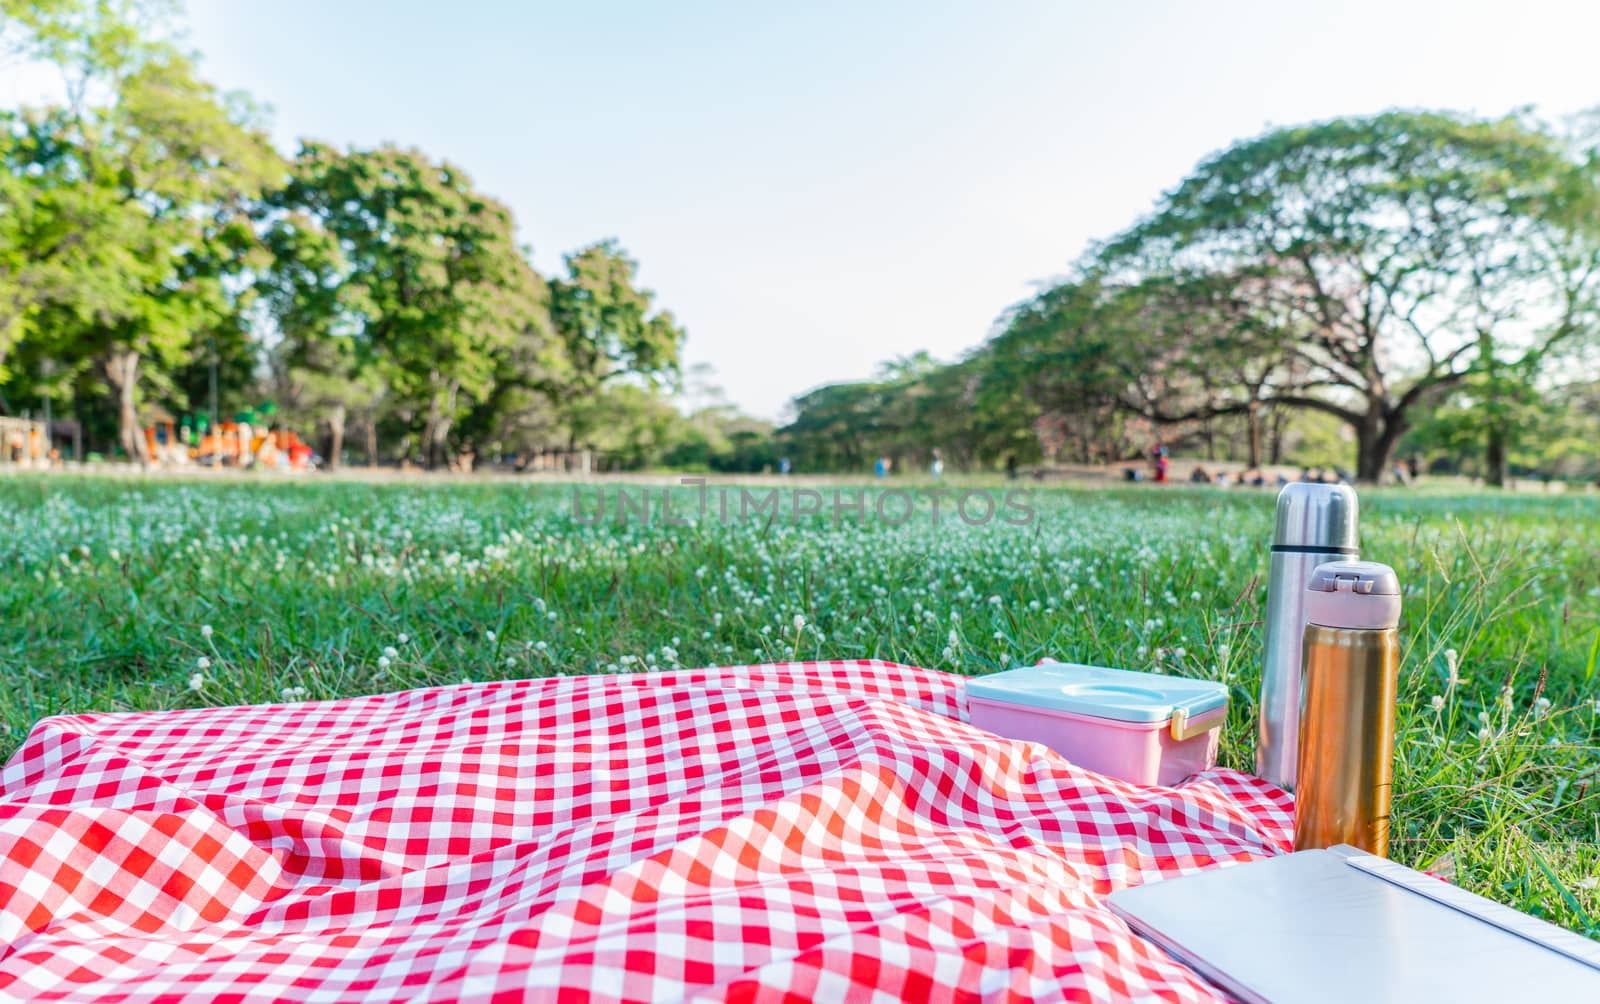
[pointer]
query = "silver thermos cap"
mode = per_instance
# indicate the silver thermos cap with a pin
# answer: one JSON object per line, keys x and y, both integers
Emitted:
{"x": 1316, "y": 523}
{"x": 1317, "y": 516}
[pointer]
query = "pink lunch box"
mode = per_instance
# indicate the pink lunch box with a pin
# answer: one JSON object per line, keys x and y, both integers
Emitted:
{"x": 1139, "y": 727}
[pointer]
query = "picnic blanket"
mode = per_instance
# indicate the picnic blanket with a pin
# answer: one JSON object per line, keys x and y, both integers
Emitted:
{"x": 806, "y": 831}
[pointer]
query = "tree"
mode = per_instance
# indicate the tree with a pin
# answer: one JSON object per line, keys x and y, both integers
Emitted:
{"x": 1066, "y": 356}
{"x": 137, "y": 215}
{"x": 606, "y": 323}
{"x": 1353, "y": 235}
{"x": 321, "y": 368}
{"x": 837, "y": 426}
{"x": 429, "y": 278}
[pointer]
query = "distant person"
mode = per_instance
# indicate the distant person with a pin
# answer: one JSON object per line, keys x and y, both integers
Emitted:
{"x": 1402, "y": 473}
{"x": 1011, "y": 467}
{"x": 783, "y": 465}
{"x": 1158, "y": 461}
{"x": 1199, "y": 476}
{"x": 1414, "y": 466}
{"x": 937, "y": 467}
{"x": 881, "y": 468}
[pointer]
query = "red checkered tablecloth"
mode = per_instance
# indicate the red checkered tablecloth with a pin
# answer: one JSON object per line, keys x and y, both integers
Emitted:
{"x": 816, "y": 831}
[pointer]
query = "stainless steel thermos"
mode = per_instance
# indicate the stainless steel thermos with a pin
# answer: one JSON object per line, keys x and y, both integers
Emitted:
{"x": 1351, "y": 654}
{"x": 1316, "y": 523}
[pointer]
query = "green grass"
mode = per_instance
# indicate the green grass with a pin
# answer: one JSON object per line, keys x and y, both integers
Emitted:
{"x": 324, "y": 589}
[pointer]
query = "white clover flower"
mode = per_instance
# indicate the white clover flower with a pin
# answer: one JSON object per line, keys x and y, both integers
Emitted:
{"x": 404, "y": 639}
{"x": 383, "y": 662}
{"x": 196, "y": 681}
{"x": 949, "y": 654}
{"x": 542, "y": 646}
{"x": 510, "y": 662}
{"x": 204, "y": 662}
{"x": 799, "y": 622}
{"x": 390, "y": 651}
{"x": 1438, "y": 702}
{"x": 205, "y": 631}
{"x": 1452, "y": 669}
{"x": 1485, "y": 733}
{"x": 1541, "y": 707}
{"x": 491, "y": 636}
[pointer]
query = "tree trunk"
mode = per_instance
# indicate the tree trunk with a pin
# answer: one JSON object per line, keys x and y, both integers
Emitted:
{"x": 1496, "y": 461}
{"x": 436, "y": 435}
{"x": 122, "y": 373}
{"x": 1275, "y": 453}
{"x": 1253, "y": 422}
{"x": 427, "y": 430}
{"x": 336, "y": 420}
{"x": 1376, "y": 436}
{"x": 372, "y": 440}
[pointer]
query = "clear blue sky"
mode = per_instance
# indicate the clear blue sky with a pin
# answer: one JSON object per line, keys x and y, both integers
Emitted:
{"x": 816, "y": 187}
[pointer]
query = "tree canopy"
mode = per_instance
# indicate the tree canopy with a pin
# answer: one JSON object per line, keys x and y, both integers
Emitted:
{"x": 1369, "y": 270}
{"x": 150, "y": 234}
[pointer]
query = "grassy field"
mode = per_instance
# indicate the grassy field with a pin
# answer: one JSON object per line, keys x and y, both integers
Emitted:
{"x": 121, "y": 594}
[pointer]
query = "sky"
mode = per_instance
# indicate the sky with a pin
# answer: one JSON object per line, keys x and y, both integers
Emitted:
{"x": 816, "y": 188}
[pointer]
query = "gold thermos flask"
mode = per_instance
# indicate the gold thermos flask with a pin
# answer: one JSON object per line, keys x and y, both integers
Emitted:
{"x": 1350, "y": 673}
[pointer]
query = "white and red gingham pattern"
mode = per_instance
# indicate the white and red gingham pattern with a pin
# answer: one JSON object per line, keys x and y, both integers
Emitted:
{"x": 806, "y": 831}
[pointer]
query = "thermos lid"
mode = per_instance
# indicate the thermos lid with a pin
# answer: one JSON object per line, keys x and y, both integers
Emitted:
{"x": 1364, "y": 595}
{"x": 1316, "y": 517}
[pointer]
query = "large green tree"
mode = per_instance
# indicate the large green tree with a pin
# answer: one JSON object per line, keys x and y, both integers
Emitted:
{"x": 1358, "y": 237}
{"x": 611, "y": 331}
{"x": 417, "y": 267}
{"x": 134, "y": 214}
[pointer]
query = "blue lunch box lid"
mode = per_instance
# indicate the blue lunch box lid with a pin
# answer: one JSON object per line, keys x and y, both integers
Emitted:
{"x": 1118, "y": 694}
